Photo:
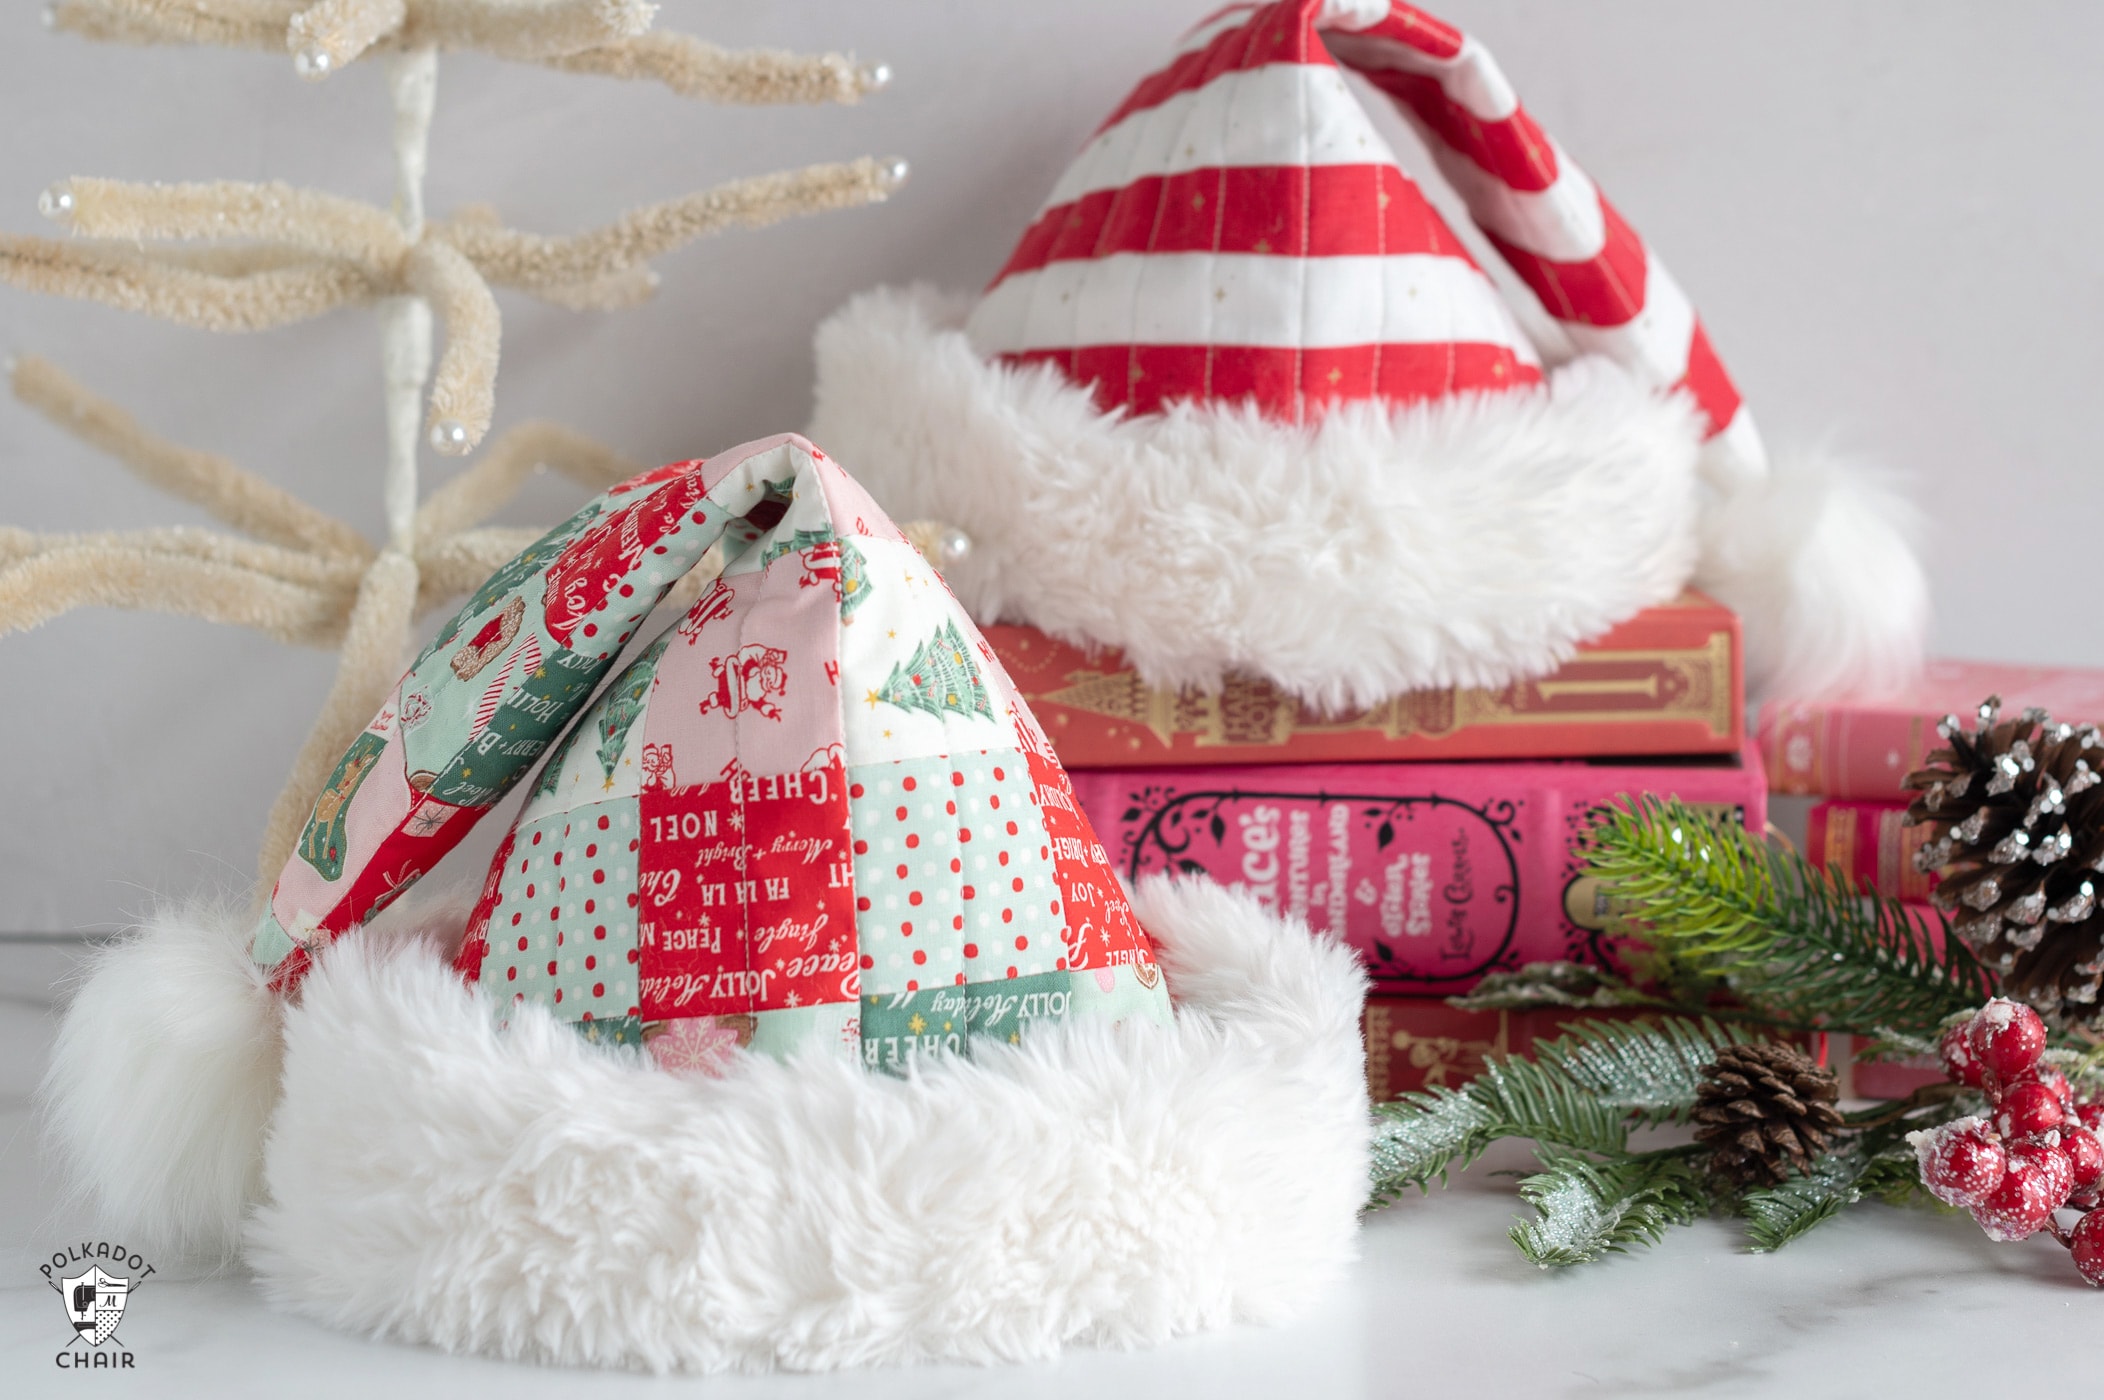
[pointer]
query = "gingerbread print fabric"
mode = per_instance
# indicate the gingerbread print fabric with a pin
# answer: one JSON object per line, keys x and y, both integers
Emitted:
{"x": 814, "y": 812}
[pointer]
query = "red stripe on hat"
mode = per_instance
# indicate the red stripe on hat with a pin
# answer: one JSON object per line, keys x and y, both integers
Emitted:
{"x": 1406, "y": 24}
{"x": 1713, "y": 391}
{"x": 1290, "y": 211}
{"x": 1606, "y": 289}
{"x": 1515, "y": 149}
{"x": 1274, "y": 34}
{"x": 1282, "y": 383}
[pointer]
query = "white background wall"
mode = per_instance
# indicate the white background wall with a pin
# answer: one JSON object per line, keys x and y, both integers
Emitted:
{"x": 1886, "y": 212}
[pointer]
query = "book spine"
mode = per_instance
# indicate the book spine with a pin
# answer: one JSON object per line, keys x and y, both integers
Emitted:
{"x": 1422, "y": 1043}
{"x": 1848, "y": 753}
{"x": 1668, "y": 682}
{"x": 1415, "y": 1043}
{"x": 1436, "y": 873}
{"x": 1871, "y": 843}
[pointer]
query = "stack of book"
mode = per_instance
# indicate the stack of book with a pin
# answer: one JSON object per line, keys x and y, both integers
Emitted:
{"x": 1853, "y": 755}
{"x": 1435, "y": 832}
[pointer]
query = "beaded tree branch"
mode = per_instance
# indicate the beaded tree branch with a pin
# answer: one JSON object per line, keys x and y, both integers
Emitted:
{"x": 234, "y": 256}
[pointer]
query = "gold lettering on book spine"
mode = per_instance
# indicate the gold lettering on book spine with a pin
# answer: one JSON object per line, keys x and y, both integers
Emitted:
{"x": 1439, "y": 1060}
{"x": 1691, "y": 683}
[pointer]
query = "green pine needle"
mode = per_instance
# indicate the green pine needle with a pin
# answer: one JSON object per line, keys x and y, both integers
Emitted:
{"x": 1422, "y": 1136}
{"x": 1878, "y": 1164}
{"x": 1776, "y": 1215}
{"x": 1648, "y": 1068}
{"x": 1584, "y": 1091}
{"x": 1798, "y": 946}
{"x": 1588, "y": 1209}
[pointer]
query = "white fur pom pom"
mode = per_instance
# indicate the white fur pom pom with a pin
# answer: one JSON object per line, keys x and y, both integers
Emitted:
{"x": 1817, "y": 559}
{"x": 163, "y": 1080}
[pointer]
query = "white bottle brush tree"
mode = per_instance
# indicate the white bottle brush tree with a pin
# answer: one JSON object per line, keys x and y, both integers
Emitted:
{"x": 235, "y": 256}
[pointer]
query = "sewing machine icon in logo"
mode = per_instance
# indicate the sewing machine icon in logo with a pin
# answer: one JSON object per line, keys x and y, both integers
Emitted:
{"x": 95, "y": 1302}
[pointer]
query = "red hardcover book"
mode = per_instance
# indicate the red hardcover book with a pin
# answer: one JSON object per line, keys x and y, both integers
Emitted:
{"x": 1668, "y": 681}
{"x": 1436, "y": 872}
{"x": 1864, "y": 748}
{"x": 1423, "y": 1043}
{"x": 1871, "y": 842}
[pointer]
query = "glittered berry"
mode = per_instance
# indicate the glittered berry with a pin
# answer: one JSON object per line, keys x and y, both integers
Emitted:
{"x": 2056, "y": 1081}
{"x": 2054, "y": 1168}
{"x": 2008, "y": 1037}
{"x": 1961, "y": 1161}
{"x": 2028, "y": 1107}
{"x": 2087, "y": 1247}
{"x": 1960, "y": 1064}
{"x": 2019, "y": 1207}
{"x": 2091, "y": 1115}
{"x": 2085, "y": 1153}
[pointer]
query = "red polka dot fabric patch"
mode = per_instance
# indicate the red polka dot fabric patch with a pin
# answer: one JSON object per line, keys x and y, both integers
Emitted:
{"x": 956, "y": 871}
{"x": 559, "y": 923}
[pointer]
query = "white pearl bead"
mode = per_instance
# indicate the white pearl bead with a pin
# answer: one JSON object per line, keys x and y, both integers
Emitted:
{"x": 312, "y": 63}
{"x": 449, "y": 437}
{"x": 56, "y": 203}
{"x": 955, "y": 547}
{"x": 896, "y": 170}
{"x": 873, "y": 77}
{"x": 51, "y": 15}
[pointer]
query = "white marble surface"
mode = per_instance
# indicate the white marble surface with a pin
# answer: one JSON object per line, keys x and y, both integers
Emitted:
{"x": 1882, "y": 1302}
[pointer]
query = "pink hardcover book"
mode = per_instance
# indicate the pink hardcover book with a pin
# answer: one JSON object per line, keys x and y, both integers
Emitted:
{"x": 1863, "y": 748}
{"x": 1436, "y": 872}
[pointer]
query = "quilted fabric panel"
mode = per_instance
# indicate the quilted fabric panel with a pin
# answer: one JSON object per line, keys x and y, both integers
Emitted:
{"x": 793, "y": 817}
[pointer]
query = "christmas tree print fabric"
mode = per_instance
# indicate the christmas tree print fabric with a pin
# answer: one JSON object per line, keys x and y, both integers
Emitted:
{"x": 815, "y": 811}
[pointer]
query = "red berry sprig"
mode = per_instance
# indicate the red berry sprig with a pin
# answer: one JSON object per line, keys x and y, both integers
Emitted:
{"x": 2036, "y": 1152}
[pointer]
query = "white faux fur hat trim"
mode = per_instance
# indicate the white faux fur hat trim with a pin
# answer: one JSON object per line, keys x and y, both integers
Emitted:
{"x": 1471, "y": 541}
{"x": 521, "y": 1193}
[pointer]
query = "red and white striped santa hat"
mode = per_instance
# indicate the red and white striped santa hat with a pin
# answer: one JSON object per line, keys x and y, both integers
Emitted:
{"x": 1242, "y": 400}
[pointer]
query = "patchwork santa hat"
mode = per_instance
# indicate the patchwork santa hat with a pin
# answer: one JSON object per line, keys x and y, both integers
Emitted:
{"x": 1242, "y": 400}
{"x": 799, "y": 981}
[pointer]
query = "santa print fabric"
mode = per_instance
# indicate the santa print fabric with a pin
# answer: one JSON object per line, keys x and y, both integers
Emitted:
{"x": 814, "y": 811}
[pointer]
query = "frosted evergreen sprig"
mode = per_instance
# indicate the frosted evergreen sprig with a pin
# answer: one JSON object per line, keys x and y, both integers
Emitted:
{"x": 1585, "y": 1091}
{"x": 1795, "y": 948}
{"x": 1877, "y": 1163}
{"x": 1586, "y": 1209}
{"x": 1579, "y": 1100}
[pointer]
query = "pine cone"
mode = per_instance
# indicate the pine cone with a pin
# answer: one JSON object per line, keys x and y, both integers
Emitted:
{"x": 2016, "y": 817}
{"x": 1764, "y": 1110}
